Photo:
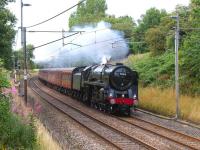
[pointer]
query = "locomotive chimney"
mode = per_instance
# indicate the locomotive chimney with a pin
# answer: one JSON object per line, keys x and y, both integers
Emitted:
{"x": 119, "y": 64}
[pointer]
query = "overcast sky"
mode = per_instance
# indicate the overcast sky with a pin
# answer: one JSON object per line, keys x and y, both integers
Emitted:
{"x": 44, "y": 9}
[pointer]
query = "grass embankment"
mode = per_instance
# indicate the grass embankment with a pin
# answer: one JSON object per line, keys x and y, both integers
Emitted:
{"x": 163, "y": 102}
{"x": 45, "y": 141}
{"x": 19, "y": 128}
{"x": 156, "y": 92}
{"x": 15, "y": 133}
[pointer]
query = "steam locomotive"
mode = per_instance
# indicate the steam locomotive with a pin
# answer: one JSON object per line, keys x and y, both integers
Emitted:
{"x": 111, "y": 88}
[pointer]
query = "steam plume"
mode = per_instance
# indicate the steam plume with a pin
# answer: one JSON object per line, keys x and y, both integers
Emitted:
{"x": 98, "y": 43}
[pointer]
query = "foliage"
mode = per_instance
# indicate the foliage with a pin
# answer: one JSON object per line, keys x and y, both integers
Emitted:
{"x": 30, "y": 56}
{"x": 157, "y": 70}
{"x": 124, "y": 23}
{"x": 150, "y": 19}
{"x": 93, "y": 11}
{"x": 19, "y": 57}
{"x": 155, "y": 39}
{"x": 87, "y": 12}
{"x": 7, "y": 33}
{"x": 191, "y": 51}
{"x": 154, "y": 32}
{"x": 14, "y": 134}
{"x": 4, "y": 83}
{"x": 3, "y": 3}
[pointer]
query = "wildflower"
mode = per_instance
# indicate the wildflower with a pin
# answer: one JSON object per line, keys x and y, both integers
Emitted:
{"x": 13, "y": 90}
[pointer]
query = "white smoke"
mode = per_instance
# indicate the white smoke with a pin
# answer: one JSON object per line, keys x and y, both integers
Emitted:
{"x": 105, "y": 59}
{"x": 98, "y": 42}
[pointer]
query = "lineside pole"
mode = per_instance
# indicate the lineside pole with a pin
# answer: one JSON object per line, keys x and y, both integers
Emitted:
{"x": 25, "y": 65}
{"x": 177, "y": 67}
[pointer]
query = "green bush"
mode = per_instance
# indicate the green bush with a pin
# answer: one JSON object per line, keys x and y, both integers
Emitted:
{"x": 14, "y": 133}
{"x": 190, "y": 62}
{"x": 3, "y": 80}
{"x": 158, "y": 70}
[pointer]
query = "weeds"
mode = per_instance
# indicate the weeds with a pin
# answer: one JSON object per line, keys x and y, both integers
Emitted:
{"x": 45, "y": 140}
{"x": 15, "y": 134}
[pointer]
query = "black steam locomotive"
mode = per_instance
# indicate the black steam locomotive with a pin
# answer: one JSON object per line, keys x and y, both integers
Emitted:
{"x": 111, "y": 88}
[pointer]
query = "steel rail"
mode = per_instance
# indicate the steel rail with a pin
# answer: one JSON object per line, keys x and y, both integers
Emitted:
{"x": 134, "y": 139}
{"x": 172, "y": 138}
{"x": 170, "y": 131}
{"x": 109, "y": 142}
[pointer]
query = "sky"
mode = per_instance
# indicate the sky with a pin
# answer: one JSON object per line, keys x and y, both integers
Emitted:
{"x": 44, "y": 9}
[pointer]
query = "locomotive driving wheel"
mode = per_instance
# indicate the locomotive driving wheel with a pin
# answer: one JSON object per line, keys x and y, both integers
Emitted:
{"x": 86, "y": 96}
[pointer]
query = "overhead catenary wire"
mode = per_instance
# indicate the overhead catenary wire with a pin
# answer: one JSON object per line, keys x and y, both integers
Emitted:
{"x": 90, "y": 44}
{"x": 103, "y": 41}
{"x": 95, "y": 43}
{"x": 57, "y": 31}
{"x": 85, "y": 32}
{"x": 76, "y": 32}
{"x": 53, "y": 41}
{"x": 51, "y": 31}
{"x": 108, "y": 44}
{"x": 81, "y": 33}
{"x": 55, "y": 15}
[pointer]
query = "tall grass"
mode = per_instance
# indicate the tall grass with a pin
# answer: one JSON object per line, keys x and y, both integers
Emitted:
{"x": 163, "y": 102}
{"x": 45, "y": 141}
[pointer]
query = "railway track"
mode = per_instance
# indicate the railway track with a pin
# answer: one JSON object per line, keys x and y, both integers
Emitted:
{"x": 118, "y": 138}
{"x": 177, "y": 137}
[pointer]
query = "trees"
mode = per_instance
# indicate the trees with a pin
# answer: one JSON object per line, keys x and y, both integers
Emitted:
{"x": 19, "y": 57}
{"x": 7, "y": 33}
{"x": 155, "y": 40}
{"x": 93, "y": 11}
{"x": 123, "y": 23}
{"x": 155, "y": 33}
{"x": 151, "y": 19}
{"x": 90, "y": 11}
{"x": 30, "y": 56}
{"x": 161, "y": 37}
{"x": 158, "y": 23}
{"x": 191, "y": 51}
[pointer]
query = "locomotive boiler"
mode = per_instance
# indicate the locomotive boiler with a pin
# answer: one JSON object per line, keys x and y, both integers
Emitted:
{"x": 111, "y": 88}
